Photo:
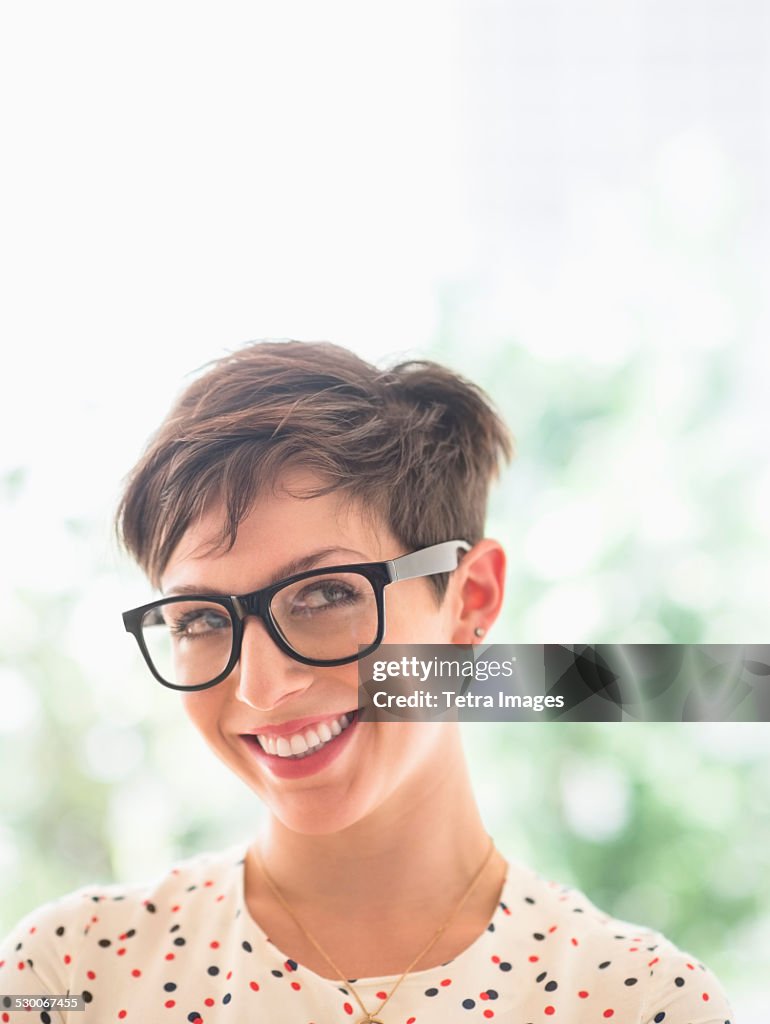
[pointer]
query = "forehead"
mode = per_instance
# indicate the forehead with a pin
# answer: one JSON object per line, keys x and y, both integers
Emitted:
{"x": 282, "y": 530}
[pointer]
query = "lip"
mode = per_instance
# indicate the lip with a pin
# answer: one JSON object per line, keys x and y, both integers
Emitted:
{"x": 300, "y": 768}
{"x": 296, "y": 725}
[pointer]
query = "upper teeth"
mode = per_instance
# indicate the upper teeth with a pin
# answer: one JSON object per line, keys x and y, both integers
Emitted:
{"x": 306, "y": 742}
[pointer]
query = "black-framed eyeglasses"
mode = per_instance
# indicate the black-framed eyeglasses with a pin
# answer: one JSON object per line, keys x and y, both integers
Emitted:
{"x": 328, "y": 616}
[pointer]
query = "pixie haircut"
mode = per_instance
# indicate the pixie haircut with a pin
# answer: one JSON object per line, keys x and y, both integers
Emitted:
{"x": 416, "y": 444}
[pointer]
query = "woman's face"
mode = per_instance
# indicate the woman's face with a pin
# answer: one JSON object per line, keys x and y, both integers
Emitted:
{"x": 359, "y": 767}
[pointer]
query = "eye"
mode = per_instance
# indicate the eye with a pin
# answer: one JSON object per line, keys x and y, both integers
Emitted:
{"x": 321, "y": 595}
{"x": 199, "y": 622}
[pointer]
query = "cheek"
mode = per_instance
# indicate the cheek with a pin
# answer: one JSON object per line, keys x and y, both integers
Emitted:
{"x": 412, "y": 615}
{"x": 202, "y": 708}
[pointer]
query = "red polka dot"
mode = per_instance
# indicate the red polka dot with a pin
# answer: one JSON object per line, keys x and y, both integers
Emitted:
{"x": 136, "y": 972}
{"x": 483, "y": 995}
{"x": 208, "y": 883}
{"x": 574, "y": 942}
{"x": 90, "y": 975}
{"x": 20, "y": 965}
{"x": 549, "y": 1010}
{"x": 552, "y": 928}
{"x": 608, "y": 1013}
{"x": 534, "y": 959}
{"x": 296, "y": 986}
{"x": 174, "y": 909}
{"x": 347, "y": 1007}
{"x": 228, "y": 975}
{"x": 495, "y": 959}
{"x": 705, "y": 997}
{"x": 583, "y": 994}
{"x": 382, "y": 995}
{"x": 32, "y": 930}
{"x": 5, "y": 1018}
{"x": 254, "y": 985}
{"x": 169, "y": 1003}
{"x": 67, "y": 958}
{"x": 214, "y": 944}
{"x": 209, "y": 1001}
{"x": 653, "y": 961}
{"x": 220, "y": 898}
{"x": 411, "y": 1020}
{"x": 169, "y": 956}
{"x": 121, "y": 951}
{"x": 691, "y": 967}
{"x": 489, "y": 1013}
{"x": 446, "y": 981}
{"x": 122, "y": 1014}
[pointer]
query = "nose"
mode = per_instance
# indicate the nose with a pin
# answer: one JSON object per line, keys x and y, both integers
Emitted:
{"x": 266, "y": 677}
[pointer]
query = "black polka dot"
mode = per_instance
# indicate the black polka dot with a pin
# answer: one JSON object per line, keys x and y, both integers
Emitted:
{"x": 87, "y": 997}
{"x": 213, "y": 970}
{"x": 679, "y": 982}
{"x": 528, "y": 899}
{"x": 491, "y": 928}
{"x": 538, "y": 935}
{"x": 630, "y": 981}
{"x": 170, "y": 986}
{"x": 193, "y": 1016}
{"x": 45, "y": 1017}
{"x": 60, "y": 930}
{"x": 226, "y": 999}
{"x": 277, "y": 974}
{"x": 174, "y": 929}
{"x": 551, "y": 986}
{"x": 131, "y": 933}
{"x": 150, "y": 908}
{"x": 659, "y": 1017}
{"x": 492, "y": 993}
{"x": 104, "y": 943}
{"x": 6, "y": 1001}
{"x": 431, "y": 991}
{"x": 541, "y": 976}
{"x": 291, "y": 964}
{"x": 468, "y": 1004}
{"x": 505, "y": 966}
{"x": 179, "y": 941}
{"x": 605, "y": 964}
{"x": 246, "y": 946}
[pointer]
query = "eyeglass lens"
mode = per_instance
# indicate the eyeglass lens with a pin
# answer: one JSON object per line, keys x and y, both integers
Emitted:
{"x": 324, "y": 618}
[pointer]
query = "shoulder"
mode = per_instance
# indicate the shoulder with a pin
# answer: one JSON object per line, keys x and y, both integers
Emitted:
{"x": 48, "y": 940}
{"x": 566, "y": 938}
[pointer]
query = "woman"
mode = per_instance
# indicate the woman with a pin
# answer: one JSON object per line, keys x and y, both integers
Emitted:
{"x": 296, "y": 508}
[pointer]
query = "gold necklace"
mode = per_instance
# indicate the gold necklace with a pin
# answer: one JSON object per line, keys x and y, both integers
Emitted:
{"x": 371, "y": 1017}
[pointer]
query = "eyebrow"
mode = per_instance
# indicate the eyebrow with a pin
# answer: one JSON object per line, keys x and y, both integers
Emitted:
{"x": 296, "y": 565}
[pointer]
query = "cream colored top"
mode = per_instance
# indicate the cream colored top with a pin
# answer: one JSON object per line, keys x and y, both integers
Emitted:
{"x": 183, "y": 949}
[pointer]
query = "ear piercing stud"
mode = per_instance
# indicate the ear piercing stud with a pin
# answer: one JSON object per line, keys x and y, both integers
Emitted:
{"x": 479, "y": 631}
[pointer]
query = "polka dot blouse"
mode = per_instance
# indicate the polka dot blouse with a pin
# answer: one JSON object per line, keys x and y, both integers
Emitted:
{"x": 185, "y": 949}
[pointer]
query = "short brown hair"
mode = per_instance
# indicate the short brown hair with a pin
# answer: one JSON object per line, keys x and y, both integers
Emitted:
{"x": 416, "y": 443}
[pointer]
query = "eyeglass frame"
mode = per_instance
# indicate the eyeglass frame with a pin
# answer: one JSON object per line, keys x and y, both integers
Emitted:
{"x": 430, "y": 561}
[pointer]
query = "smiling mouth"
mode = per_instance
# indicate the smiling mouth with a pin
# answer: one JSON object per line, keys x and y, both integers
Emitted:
{"x": 306, "y": 742}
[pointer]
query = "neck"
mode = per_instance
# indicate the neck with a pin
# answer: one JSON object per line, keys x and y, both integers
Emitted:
{"x": 414, "y": 852}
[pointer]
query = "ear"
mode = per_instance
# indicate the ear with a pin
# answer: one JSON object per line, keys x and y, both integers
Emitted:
{"x": 478, "y": 584}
